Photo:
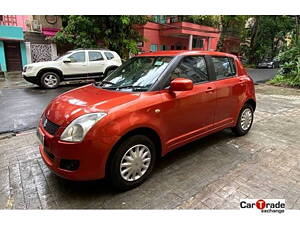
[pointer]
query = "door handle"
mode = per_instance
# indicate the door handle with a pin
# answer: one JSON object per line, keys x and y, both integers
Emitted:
{"x": 209, "y": 89}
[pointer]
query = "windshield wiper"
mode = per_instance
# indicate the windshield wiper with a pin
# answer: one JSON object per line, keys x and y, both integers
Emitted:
{"x": 101, "y": 83}
{"x": 135, "y": 87}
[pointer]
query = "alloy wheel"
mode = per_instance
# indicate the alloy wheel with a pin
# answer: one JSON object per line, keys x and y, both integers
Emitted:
{"x": 50, "y": 80}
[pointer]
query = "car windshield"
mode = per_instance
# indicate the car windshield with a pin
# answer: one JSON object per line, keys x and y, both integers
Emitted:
{"x": 137, "y": 74}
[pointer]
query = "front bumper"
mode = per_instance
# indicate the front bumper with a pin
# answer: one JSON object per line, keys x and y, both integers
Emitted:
{"x": 33, "y": 79}
{"x": 92, "y": 155}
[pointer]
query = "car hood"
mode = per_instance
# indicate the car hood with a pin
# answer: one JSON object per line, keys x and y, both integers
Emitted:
{"x": 88, "y": 99}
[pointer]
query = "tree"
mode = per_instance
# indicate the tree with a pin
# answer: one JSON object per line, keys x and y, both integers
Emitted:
{"x": 267, "y": 36}
{"x": 116, "y": 32}
{"x": 233, "y": 26}
{"x": 206, "y": 20}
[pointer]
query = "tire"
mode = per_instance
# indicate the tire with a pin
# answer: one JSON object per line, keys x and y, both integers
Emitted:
{"x": 241, "y": 128}
{"x": 50, "y": 80}
{"x": 109, "y": 71}
{"x": 101, "y": 77}
{"x": 120, "y": 162}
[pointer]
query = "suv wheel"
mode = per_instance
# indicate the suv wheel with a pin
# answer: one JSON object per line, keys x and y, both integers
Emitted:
{"x": 245, "y": 120}
{"x": 50, "y": 80}
{"x": 132, "y": 162}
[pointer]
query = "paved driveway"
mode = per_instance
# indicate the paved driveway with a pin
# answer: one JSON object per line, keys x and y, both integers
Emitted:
{"x": 213, "y": 172}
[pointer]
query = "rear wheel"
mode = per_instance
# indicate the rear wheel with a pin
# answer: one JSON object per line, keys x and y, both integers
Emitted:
{"x": 50, "y": 80}
{"x": 132, "y": 162}
{"x": 245, "y": 121}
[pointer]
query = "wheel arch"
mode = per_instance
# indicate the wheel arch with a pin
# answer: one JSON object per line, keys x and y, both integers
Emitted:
{"x": 251, "y": 102}
{"x": 148, "y": 132}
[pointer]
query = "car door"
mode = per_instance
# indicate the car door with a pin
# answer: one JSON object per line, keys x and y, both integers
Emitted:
{"x": 96, "y": 64}
{"x": 189, "y": 114}
{"x": 76, "y": 68}
{"x": 229, "y": 89}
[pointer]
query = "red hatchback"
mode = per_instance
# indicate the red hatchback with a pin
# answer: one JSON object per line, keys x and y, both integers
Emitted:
{"x": 152, "y": 104}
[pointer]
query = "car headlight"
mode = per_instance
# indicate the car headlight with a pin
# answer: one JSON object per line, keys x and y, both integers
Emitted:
{"x": 28, "y": 68}
{"x": 78, "y": 128}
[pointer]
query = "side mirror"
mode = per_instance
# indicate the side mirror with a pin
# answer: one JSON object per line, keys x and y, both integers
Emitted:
{"x": 181, "y": 84}
{"x": 67, "y": 60}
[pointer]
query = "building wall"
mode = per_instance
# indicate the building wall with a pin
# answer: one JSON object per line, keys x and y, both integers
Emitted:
{"x": 2, "y": 57}
{"x": 49, "y": 21}
{"x": 23, "y": 53}
{"x": 157, "y": 34}
{"x": 11, "y": 33}
{"x": 21, "y": 21}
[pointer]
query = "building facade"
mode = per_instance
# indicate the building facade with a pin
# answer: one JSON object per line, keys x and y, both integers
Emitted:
{"x": 26, "y": 39}
{"x": 12, "y": 43}
{"x": 167, "y": 33}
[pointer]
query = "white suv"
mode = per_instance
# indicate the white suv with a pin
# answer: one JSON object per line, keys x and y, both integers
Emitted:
{"x": 74, "y": 65}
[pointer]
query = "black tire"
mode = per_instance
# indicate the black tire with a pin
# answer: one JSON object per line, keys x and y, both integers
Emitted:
{"x": 101, "y": 77}
{"x": 238, "y": 129}
{"x": 109, "y": 71}
{"x": 114, "y": 167}
{"x": 46, "y": 84}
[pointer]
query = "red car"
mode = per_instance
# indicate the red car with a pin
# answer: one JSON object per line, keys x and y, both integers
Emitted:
{"x": 152, "y": 104}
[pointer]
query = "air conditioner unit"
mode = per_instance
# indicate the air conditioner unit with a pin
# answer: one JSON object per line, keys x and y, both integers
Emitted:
{"x": 36, "y": 26}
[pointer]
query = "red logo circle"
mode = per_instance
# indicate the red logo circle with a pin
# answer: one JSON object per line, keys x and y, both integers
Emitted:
{"x": 260, "y": 204}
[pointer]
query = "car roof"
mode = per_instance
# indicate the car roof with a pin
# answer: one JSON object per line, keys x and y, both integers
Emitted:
{"x": 185, "y": 52}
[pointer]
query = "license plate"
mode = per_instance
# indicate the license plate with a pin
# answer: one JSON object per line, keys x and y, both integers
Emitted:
{"x": 40, "y": 136}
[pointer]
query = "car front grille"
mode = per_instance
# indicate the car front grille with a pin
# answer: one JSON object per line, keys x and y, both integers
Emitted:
{"x": 49, "y": 126}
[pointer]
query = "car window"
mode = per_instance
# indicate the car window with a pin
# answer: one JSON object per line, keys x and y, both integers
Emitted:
{"x": 77, "y": 57}
{"x": 95, "y": 56}
{"x": 224, "y": 67}
{"x": 191, "y": 67}
{"x": 108, "y": 55}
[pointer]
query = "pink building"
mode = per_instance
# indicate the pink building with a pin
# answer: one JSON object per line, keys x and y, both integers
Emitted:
{"x": 168, "y": 35}
{"x": 27, "y": 38}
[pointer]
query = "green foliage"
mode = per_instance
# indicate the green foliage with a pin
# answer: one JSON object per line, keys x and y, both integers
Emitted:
{"x": 289, "y": 72}
{"x": 116, "y": 32}
{"x": 212, "y": 21}
{"x": 232, "y": 26}
{"x": 267, "y": 36}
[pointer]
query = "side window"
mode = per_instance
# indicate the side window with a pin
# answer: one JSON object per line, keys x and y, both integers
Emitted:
{"x": 77, "y": 57}
{"x": 224, "y": 67}
{"x": 108, "y": 55}
{"x": 191, "y": 67}
{"x": 95, "y": 56}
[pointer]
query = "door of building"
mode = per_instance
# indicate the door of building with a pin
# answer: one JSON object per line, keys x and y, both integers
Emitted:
{"x": 13, "y": 56}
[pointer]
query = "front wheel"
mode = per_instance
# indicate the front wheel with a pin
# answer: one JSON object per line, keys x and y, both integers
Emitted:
{"x": 50, "y": 80}
{"x": 245, "y": 121}
{"x": 132, "y": 162}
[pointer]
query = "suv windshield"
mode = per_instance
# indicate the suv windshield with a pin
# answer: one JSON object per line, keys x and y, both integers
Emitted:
{"x": 137, "y": 74}
{"x": 62, "y": 56}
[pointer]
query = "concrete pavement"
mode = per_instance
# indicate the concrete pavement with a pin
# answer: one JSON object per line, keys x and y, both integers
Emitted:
{"x": 212, "y": 173}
